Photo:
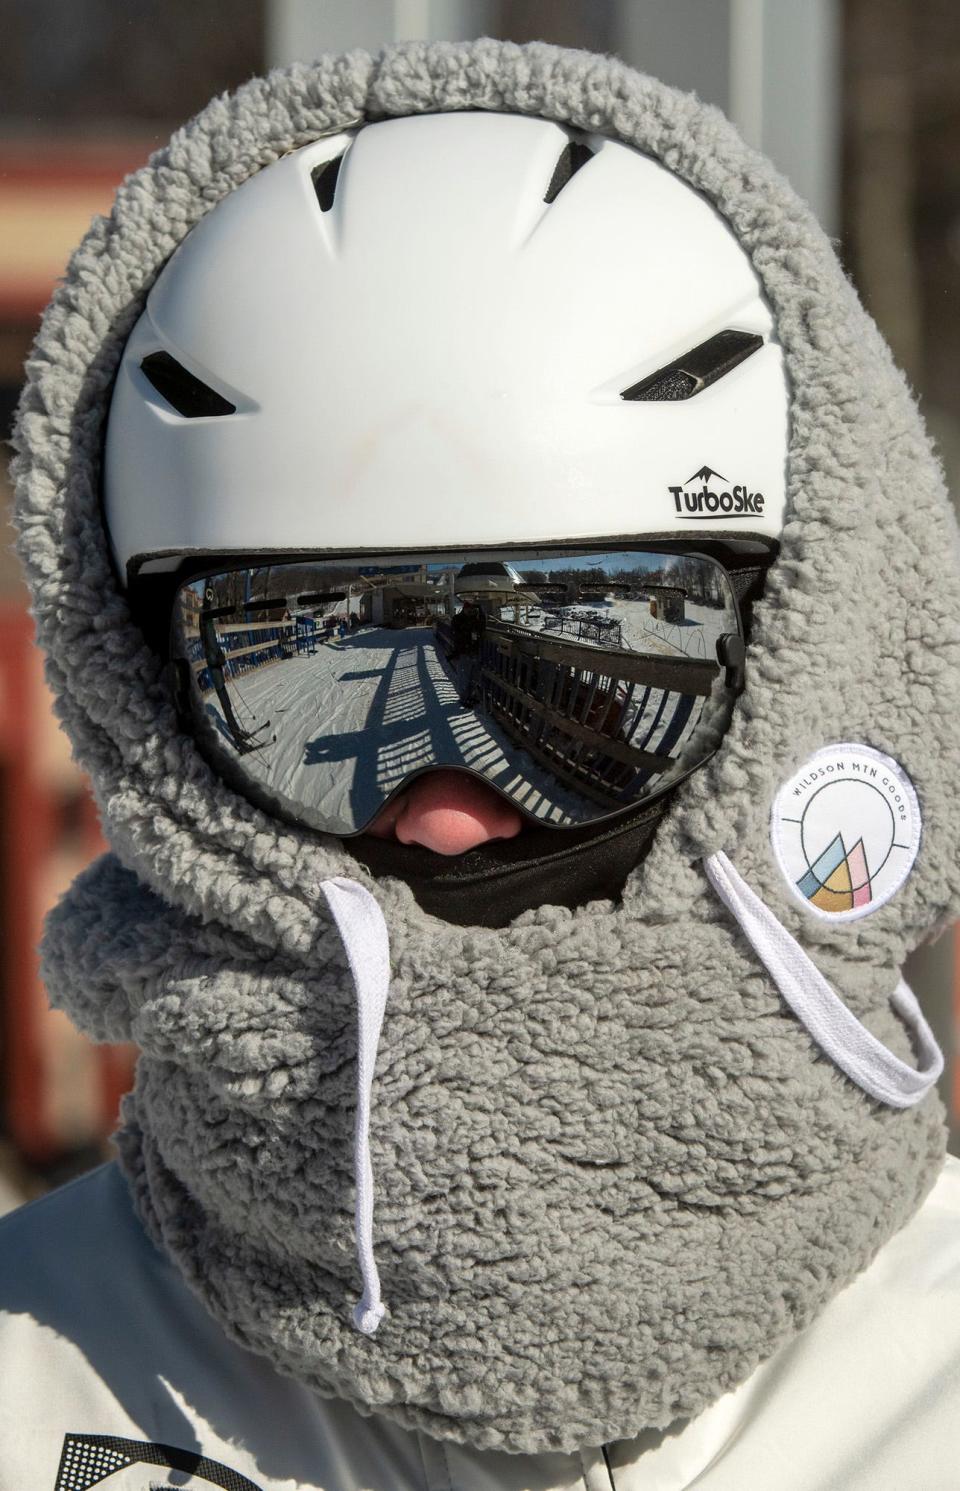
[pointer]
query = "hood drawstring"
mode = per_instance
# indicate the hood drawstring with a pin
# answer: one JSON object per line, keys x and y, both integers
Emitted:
{"x": 836, "y": 1030}
{"x": 363, "y": 931}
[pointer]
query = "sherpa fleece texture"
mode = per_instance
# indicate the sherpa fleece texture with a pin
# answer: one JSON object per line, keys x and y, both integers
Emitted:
{"x": 613, "y": 1171}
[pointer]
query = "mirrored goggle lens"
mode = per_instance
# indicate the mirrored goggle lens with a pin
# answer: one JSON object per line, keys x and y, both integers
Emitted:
{"x": 576, "y": 683}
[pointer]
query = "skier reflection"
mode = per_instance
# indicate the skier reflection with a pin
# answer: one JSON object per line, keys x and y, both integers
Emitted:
{"x": 468, "y": 627}
{"x": 216, "y": 661}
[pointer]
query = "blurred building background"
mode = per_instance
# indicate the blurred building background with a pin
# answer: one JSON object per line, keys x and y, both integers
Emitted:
{"x": 857, "y": 102}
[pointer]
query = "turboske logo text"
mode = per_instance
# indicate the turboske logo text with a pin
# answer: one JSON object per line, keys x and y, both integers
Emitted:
{"x": 707, "y": 503}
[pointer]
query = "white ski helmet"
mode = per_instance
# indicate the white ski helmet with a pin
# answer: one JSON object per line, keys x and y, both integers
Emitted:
{"x": 453, "y": 328}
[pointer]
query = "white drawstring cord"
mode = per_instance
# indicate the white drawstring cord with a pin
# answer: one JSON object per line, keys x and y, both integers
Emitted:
{"x": 836, "y": 1030}
{"x": 366, "y": 942}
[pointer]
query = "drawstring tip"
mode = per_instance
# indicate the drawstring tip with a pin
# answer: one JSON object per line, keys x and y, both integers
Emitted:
{"x": 366, "y": 1318}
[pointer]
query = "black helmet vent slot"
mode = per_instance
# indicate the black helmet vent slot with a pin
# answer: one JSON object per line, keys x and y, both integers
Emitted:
{"x": 324, "y": 180}
{"x": 670, "y": 384}
{"x": 696, "y": 369}
{"x": 183, "y": 391}
{"x": 573, "y": 155}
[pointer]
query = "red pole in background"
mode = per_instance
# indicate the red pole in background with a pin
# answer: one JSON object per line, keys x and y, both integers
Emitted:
{"x": 60, "y": 1093}
{"x": 25, "y": 827}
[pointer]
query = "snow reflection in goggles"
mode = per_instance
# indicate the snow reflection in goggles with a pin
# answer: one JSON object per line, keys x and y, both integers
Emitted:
{"x": 576, "y": 683}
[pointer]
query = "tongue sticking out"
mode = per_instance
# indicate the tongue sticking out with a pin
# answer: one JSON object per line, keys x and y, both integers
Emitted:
{"x": 449, "y": 813}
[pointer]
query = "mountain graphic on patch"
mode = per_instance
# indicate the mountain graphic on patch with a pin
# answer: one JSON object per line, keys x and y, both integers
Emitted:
{"x": 838, "y": 879}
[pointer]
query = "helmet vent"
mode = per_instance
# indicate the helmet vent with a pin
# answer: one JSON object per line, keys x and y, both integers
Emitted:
{"x": 670, "y": 384}
{"x": 324, "y": 180}
{"x": 184, "y": 392}
{"x": 573, "y": 155}
{"x": 696, "y": 369}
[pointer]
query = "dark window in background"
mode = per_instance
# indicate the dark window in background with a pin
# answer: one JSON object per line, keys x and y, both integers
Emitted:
{"x": 114, "y": 61}
{"x": 565, "y": 23}
{"x": 78, "y": 75}
{"x": 901, "y": 200}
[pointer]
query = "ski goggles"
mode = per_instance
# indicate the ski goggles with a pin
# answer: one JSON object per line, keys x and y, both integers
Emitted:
{"x": 577, "y": 682}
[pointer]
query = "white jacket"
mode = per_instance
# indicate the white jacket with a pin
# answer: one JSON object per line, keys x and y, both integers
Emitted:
{"x": 112, "y": 1373}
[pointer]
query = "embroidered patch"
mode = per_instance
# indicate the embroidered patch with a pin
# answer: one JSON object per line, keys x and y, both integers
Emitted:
{"x": 846, "y": 831}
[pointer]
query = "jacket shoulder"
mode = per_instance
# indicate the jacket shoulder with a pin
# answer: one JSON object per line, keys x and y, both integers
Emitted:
{"x": 71, "y": 1238}
{"x": 105, "y": 1351}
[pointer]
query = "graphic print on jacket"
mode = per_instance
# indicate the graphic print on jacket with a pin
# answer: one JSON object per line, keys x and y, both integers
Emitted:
{"x": 613, "y": 1170}
{"x": 91, "y": 1459}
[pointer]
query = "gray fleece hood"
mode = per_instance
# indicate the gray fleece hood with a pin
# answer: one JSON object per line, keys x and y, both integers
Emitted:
{"x": 622, "y": 1153}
